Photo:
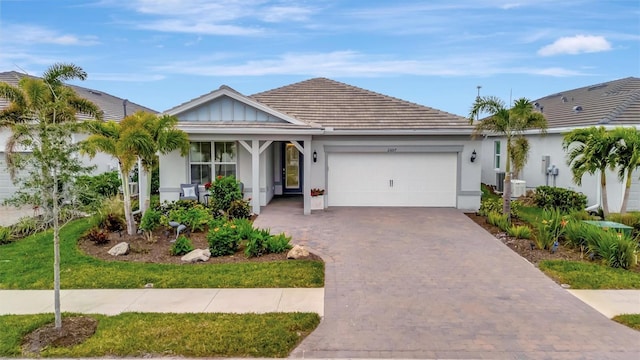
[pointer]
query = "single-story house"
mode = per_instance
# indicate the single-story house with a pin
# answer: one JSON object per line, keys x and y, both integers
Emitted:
{"x": 114, "y": 108}
{"x": 363, "y": 148}
{"x": 610, "y": 104}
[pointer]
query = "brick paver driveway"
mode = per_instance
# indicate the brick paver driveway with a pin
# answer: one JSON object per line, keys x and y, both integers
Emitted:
{"x": 430, "y": 283}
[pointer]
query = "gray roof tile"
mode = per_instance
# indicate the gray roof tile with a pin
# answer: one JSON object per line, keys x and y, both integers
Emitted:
{"x": 341, "y": 106}
{"x": 111, "y": 105}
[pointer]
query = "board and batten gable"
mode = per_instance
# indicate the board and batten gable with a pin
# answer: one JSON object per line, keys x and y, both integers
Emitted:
{"x": 226, "y": 108}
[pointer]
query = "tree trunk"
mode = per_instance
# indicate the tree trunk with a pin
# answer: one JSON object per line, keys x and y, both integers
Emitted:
{"x": 126, "y": 194}
{"x": 506, "y": 195}
{"x": 56, "y": 255}
{"x": 605, "y": 200}
{"x": 627, "y": 187}
{"x": 147, "y": 200}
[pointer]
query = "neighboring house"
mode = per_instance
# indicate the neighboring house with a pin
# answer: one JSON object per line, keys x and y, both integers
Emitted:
{"x": 114, "y": 108}
{"x": 610, "y": 104}
{"x": 363, "y": 148}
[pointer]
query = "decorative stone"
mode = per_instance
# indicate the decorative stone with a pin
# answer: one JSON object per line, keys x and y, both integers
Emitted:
{"x": 197, "y": 255}
{"x": 120, "y": 249}
{"x": 297, "y": 252}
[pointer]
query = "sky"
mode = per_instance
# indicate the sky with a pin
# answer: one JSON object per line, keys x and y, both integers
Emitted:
{"x": 161, "y": 53}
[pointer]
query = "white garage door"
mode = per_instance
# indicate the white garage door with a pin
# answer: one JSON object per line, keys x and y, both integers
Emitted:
{"x": 7, "y": 189}
{"x": 392, "y": 179}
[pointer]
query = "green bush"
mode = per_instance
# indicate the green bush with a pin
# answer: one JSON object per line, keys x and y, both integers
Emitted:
{"x": 224, "y": 190}
{"x": 630, "y": 219}
{"x": 576, "y": 233}
{"x": 149, "y": 222}
{"x": 223, "y": 239}
{"x": 499, "y": 220}
{"x": 490, "y": 205}
{"x": 550, "y": 228}
{"x": 277, "y": 244}
{"x": 93, "y": 188}
{"x": 181, "y": 246}
{"x": 257, "y": 243}
{"x": 519, "y": 231}
{"x": 617, "y": 250}
{"x": 26, "y": 226}
{"x": 5, "y": 235}
{"x": 244, "y": 227}
{"x": 195, "y": 217}
{"x": 547, "y": 197}
{"x": 239, "y": 209}
{"x": 97, "y": 236}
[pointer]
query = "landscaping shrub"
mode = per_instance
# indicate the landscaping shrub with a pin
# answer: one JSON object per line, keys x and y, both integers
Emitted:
{"x": 149, "y": 222}
{"x": 239, "y": 209}
{"x": 257, "y": 243}
{"x": 104, "y": 185}
{"x": 499, "y": 220}
{"x": 244, "y": 228}
{"x": 223, "y": 239}
{"x": 5, "y": 235}
{"x": 195, "y": 217}
{"x": 617, "y": 250}
{"x": 26, "y": 226}
{"x": 547, "y": 197}
{"x": 97, "y": 236}
{"x": 224, "y": 190}
{"x": 182, "y": 246}
{"x": 110, "y": 215}
{"x": 490, "y": 205}
{"x": 278, "y": 243}
{"x": 550, "y": 228}
{"x": 576, "y": 233}
{"x": 519, "y": 231}
{"x": 630, "y": 219}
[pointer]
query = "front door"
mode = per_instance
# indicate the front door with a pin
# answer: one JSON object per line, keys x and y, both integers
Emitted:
{"x": 291, "y": 169}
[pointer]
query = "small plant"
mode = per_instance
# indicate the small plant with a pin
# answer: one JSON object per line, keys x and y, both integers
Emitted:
{"x": 490, "y": 205}
{"x": 223, "y": 239}
{"x": 182, "y": 246}
{"x": 257, "y": 243}
{"x": 224, "y": 191}
{"x": 550, "y": 228}
{"x": 519, "y": 231}
{"x": 25, "y": 226}
{"x": 149, "y": 222}
{"x": 499, "y": 220}
{"x": 617, "y": 250}
{"x": 317, "y": 192}
{"x": 5, "y": 235}
{"x": 278, "y": 243}
{"x": 239, "y": 209}
{"x": 113, "y": 223}
{"x": 195, "y": 217}
{"x": 97, "y": 236}
{"x": 548, "y": 198}
{"x": 244, "y": 228}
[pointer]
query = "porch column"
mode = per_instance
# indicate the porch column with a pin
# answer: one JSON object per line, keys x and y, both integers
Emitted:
{"x": 255, "y": 175}
{"x": 307, "y": 176}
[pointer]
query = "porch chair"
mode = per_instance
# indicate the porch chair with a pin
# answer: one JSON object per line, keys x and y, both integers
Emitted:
{"x": 190, "y": 192}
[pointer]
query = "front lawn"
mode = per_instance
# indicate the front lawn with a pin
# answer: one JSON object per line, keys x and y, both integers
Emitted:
{"x": 174, "y": 335}
{"x": 630, "y": 320}
{"x": 28, "y": 264}
{"x": 583, "y": 275}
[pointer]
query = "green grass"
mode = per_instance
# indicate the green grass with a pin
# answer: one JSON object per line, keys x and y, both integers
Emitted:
{"x": 630, "y": 320}
{"x": 177, "y": 335}
{"x": 486, "y": 192}
{"x": 28, "y": 264}
{"x": 530, "y": 214}
{"x": 581, "y": 275}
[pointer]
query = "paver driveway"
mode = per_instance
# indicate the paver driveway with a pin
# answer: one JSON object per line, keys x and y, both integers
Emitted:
{"x": 430, "y": 283}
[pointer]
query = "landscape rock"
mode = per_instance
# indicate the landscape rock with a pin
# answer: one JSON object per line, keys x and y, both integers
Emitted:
{"x": 297, "y": 252}
{"x": 197, "y": 255}
{"x": 120, "y": 249}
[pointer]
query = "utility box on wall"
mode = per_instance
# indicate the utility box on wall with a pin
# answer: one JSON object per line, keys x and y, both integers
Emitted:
{"x": 546, "y": 162}
{"x": 500, "y": 181}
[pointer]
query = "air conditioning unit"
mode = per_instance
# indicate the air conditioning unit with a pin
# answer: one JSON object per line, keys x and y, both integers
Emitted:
{"x": 518, "y": 188}
{"x": 500, "y": 181}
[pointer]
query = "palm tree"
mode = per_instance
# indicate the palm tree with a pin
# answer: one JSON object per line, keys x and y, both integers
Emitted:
{"x": 166, "y": 138}
{"x": 626, "y": 157}
{"x": 126, "y": 141}
{"x": 590, "y": 150}
{"x": 519, "y": 153}
{"x": 41, "y": 117}
{"x": 509, "y": 123}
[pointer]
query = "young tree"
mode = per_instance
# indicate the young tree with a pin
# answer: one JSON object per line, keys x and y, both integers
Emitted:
{"x": 519, "y": 153}
{"x": 509, "y": 122}
{"x": 166, "y": 138}
{"x": 126, "y": 141}
{"x": 626, "y": 157}
{"x": 42, "y": 119}
{"x": 590, "y": 150}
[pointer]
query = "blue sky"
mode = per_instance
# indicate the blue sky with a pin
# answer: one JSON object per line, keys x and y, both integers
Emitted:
{"x": 161, "y": 53}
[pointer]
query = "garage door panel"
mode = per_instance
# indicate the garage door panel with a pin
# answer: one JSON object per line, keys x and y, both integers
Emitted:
{"x": 392, "y": 179}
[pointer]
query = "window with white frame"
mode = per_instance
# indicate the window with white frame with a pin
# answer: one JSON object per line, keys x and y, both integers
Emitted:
{"x": 496, "y": 152}
{"x": 210, "y": 159}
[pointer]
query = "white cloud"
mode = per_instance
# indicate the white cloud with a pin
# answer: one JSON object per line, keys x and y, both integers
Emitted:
{"x": 188, "y": 27}
{"x": 32, "y": 34}
{"x": 126, "y": 77}
{"x": 576, "y": 45}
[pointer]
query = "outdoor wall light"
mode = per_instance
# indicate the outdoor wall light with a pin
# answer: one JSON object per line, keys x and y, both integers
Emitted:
{"x": 315, "y": 156}
{"x": 474, "y": 155}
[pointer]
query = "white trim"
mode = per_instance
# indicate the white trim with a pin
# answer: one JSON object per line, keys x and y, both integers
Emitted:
{"x": 265, "y": 145}
{"x": 245, "y": 145}
{"x": 567, "y": 129}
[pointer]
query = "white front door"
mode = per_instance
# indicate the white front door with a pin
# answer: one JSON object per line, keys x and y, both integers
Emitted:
{"x": 392, "y": 179}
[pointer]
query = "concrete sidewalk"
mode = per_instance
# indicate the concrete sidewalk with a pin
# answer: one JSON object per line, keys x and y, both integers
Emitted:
{"x": 115, "y": 301}
{"x": 610, "y": 302}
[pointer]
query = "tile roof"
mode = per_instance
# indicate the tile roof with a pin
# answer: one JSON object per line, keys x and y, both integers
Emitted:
{"x": 111, "y": 105}
{"x": 611, "y": 103}
{"x": 341, "y": 106}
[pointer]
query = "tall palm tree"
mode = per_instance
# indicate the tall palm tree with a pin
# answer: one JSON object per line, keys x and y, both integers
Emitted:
{"x": 509, "y": 122}
{"x": 41, "y": 117}
{"x": 166, "y": 138}
{"x": 126, "y": 141}
{"x": 626, "y": 157}
{"x": 519, "y": 153}
{"x": 590, "y": 150}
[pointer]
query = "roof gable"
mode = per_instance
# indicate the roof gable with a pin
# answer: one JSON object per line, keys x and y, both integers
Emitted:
{"x": 227, "y": 105}
{"x": 611, "y": 103}
{"x": 114, "y": 108}
{"x": 341, "y": 106}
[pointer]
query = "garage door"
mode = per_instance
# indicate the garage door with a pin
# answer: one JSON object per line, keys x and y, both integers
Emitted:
{"x": 7, "y": 189}
{"x": 392, "y": 179}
